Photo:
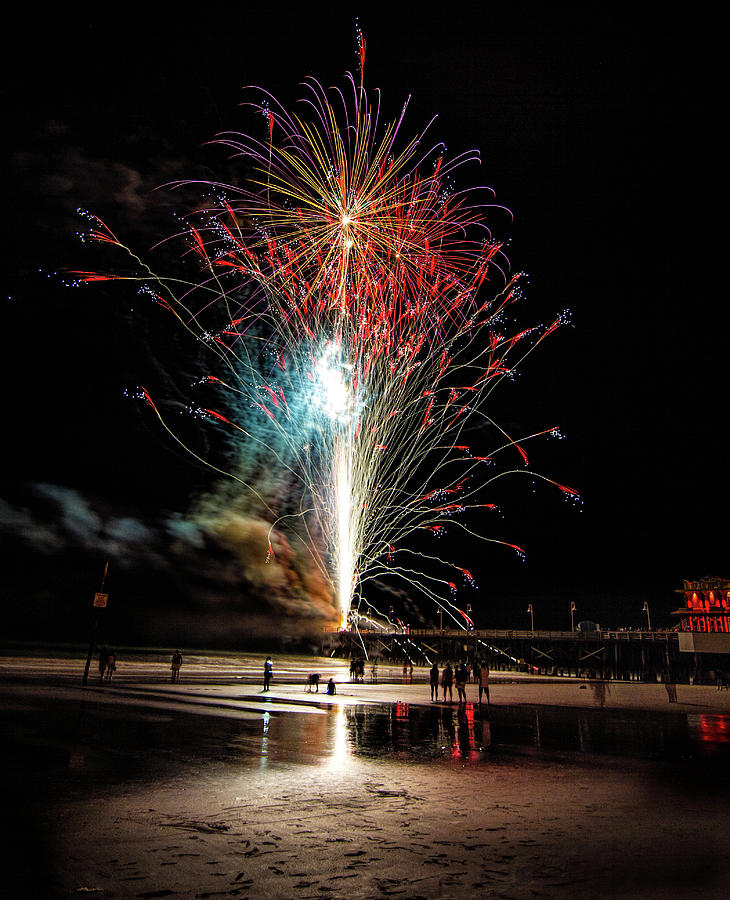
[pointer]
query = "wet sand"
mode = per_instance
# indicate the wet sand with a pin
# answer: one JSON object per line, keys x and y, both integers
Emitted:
{"x": 197, "y": 790}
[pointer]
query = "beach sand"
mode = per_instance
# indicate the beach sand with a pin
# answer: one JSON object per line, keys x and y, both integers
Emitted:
{"x": 216, "y": 791}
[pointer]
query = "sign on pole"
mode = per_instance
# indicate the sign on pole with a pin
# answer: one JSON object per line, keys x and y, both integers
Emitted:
{"x": 100, "y": 600}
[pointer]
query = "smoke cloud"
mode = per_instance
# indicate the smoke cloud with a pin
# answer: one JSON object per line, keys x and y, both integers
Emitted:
{"x": 200, "y": 578}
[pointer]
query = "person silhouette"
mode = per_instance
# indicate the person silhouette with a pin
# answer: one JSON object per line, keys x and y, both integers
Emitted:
{"x": 434, "y": 679}
{"x": 483, "y": 680}
{"x": 447, "y": 682}
{"x": 175, "y": 666}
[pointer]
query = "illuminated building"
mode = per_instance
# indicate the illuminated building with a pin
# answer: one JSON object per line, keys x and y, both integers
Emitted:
{"x": 704, "y": 621}
{"x": 707, "y": 606}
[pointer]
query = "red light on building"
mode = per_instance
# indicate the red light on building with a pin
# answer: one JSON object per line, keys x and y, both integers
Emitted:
{"x": 707, "y": 606}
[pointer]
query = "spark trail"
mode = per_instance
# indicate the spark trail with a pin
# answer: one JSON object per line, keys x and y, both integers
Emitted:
{"x": 358, "y": 308}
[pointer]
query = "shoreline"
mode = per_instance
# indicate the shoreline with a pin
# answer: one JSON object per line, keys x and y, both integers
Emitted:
{"x": 243, "y": 684}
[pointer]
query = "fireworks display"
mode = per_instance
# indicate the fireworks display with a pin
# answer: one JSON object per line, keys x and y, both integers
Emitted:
{"x": 360, "y": 313}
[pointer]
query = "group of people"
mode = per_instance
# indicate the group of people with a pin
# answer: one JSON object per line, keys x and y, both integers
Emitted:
{"x": 459, "y": 677}
{"x": 446, "y": 678}
{"x": 107, "y": 663}
{"x": 312, "y": 680}
{"x": 357, "y": 669}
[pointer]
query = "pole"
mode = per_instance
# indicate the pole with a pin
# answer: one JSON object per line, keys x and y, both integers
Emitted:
{"x": 95, "y": 626}
{"x": 532, "y": 617}
{"x": 648, "y": 616}
{"x": 572, "y": 614}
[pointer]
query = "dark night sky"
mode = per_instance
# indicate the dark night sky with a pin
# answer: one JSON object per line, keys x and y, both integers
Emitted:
{"x": 588, "y": 128}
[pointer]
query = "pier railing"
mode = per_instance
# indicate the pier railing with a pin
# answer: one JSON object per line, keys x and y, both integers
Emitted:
{"x": 639, "y": 655}
{"x": 514, "y": 634}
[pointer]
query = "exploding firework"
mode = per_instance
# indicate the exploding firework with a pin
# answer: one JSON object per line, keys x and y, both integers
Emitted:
{"x": 359, "y": 307}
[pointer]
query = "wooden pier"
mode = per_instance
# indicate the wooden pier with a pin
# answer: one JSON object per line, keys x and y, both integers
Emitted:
{"x": 620, "y": 655}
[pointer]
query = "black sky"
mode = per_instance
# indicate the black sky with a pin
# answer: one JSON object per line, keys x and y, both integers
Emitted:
{"x": 588, "y": 125}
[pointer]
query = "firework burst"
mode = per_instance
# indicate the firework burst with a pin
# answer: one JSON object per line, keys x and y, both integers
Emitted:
{"x": 358, "y": 308}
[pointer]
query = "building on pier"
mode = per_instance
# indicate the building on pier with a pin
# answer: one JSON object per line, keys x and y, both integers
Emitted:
{"x": 707, "y": 606}
{"x": 704, "y": 620}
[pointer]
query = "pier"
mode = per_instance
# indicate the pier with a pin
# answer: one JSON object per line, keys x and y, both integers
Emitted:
{"x": 617, "y": 655}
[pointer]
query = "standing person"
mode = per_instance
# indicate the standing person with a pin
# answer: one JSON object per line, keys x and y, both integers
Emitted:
{"x": 447, "y": 681}
{"x": 175, "y": 666}
{"x": 484, "y": 680}
{"x": 434, "y": 678}
{"x": 410, "y": 673}
{"x": 111, "y": 664}
{"x": 405, "y": 672}
{"x": 461, "y": 677}
{"x": 103, "y": 655}
{"x": 670, "y": 686}
{"x": 268, "y": 672}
